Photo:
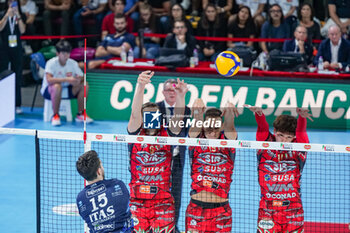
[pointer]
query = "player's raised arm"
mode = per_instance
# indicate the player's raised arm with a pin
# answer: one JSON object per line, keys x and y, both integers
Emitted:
{"x": 229, "y": 113}
{"x": 301, "y": 134}
{"x": 135, "y": 121}
{"x": 262, "y": 132}
{"x": 198, "y": 109}
{"x": 179, "y": 111}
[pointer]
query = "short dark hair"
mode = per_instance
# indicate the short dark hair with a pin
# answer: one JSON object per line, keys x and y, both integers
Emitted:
{"x": 285, "y": 124}
{"x": 148, "y": 105}
{"x": 213, "y": 112}
{"x": 63, "y": 46}
{"x": 88, "y": 164}
{"x": 123, "y": 1}
{"x": 269, "y": 14}
{"x": 312, "y": 11}
{"x": 119, "y": 16}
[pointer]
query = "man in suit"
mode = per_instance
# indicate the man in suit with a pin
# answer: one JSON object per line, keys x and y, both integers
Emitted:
{"x": 299, "y": 44}
{"x": 166, "y": 107}
{"x": 335, "y": 50}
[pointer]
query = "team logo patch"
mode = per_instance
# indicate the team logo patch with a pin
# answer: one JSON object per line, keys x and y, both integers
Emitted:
{"x": 266, "y": 224}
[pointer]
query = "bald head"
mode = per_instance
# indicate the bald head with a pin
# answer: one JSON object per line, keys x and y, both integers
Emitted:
{"x": 334, "y": 34}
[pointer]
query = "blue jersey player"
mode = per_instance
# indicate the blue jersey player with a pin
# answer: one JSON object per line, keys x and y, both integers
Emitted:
{"x": 103, "y": 204}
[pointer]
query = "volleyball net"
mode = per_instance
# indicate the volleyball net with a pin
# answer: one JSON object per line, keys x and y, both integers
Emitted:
{"x": 325, "y": 182}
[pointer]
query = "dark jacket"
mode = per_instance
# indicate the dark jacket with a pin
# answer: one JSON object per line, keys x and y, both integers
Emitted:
{"x": 324, "y": 50}
{"x": 289, "y": 46}
{"x": 170, "y": 42}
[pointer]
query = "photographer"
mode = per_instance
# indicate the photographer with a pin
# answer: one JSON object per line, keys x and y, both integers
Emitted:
{"x": 211, "y": 24}
{"x": 12, "y": 26}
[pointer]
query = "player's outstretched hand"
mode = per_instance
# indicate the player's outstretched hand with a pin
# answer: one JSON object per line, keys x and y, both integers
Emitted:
{"x": 304, "y": 113}
{"x": 230, "y": 110}
{"x": 254, "y": 109}
{"x": 198, "y": 107}
{"x": 181, "y": 87}
{"x": 145, "y": 77}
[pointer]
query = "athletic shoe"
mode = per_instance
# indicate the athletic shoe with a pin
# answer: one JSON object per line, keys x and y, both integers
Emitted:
{"x": 19, "y": 110}
{"x": 56, "y": 121}
{"x": 80, "y": 118}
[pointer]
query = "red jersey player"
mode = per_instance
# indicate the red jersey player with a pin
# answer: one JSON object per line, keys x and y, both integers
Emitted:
{"x": 151, "y": 203}
{"x": 211, "y": 172}
{"x": 281, "y": 209}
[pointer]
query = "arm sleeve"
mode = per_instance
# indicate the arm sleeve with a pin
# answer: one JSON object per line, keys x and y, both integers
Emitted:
{"x": 300, "y": 134}
{"x": 262, "y": 133}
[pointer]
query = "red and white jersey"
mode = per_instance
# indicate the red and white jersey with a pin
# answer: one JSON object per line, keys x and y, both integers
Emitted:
{"x": 150, "y": 167}
{"x": 212, "y": 169}
{"x": 280, "y": 171}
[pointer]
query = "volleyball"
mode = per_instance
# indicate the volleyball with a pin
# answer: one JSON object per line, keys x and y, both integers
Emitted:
{"x": 227, "y": 63}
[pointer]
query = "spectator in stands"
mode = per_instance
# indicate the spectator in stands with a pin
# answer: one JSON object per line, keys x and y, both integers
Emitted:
{"x": 113, "y": 45}
{"x": 63, "y": 72}
{"x": 339, "y": 12}
{"x": 288, "y": 7}
{"x": 129, "y": 4}
{"x": 177, "y": 12}
{"x": 275, "y": 27}
{"x": 147, "y": 22}
{"x": 30, "y": 10}
{"x": 306, "y": 19}
{"x": 299, "y": 44}
{"x": 335, "y": 50}
{"x": 221, "y": 6}
{"x": 108, "y": 21}
{"x": 180, "y": 39}
{"x": 90, "y": 9}
{"x": 195, "y": 7}
{"x": 185, "y": 4}
{"x": 242, "y": 27}
{"x": 161, "y": 9}
{"x": 211, "y": 24}
{"x": 55, "y": 10}
{"x": 12, "y": 26}
{"x": 256, "y": 9}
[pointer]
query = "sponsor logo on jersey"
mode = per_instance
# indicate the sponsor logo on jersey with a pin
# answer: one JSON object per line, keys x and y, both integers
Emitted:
{"x": 281, "y": 196}
{"x": 148, "y": 170}
{"x": 280, "y": 203}
{"x": 207, "y": 183}
{"x": 117, "y": 191}
{"x": 100, "y": 227}
{"x": 282, "y": 177}
{"x": 245, "y": 144}
{"x": 267, "y": 177}
{"x": 182, "y": 141}
{"x": 223, "y": 143}
{"x": 200, "y": 169}
{"x": 210, "y": 178}
{"x": 95, "y": 190}
{"x": 193, "y": 222}
{"x": 152, "y": 178}
{"x": 140, "y": 139}
{"x": 296, "y": 223}
{"x": 138, "y": 168}
{"x": 215, "y": 169}
{"x": 295, "y": 216}
{"x": 280, "y": 187}
{"x": 328, "y": 147}
{"x": 147, "y": 158}
{"x": 282, "y": 166}
{"x": 120, "y": 138}
{"x": 212, "y": 159}
{"x": 148, "y": 189}
{"x": 133, "y": 208}
{"x": 265, "y": 144}
{"x": 223, "y": 226}
{"x": 307, "y": 147}
{"x": 266, "y": 224}
{"x": 99, "y": 137}
{"x": 287, "y": 146}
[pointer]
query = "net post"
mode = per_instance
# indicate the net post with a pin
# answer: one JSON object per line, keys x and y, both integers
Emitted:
{"x": 37, "y": 169}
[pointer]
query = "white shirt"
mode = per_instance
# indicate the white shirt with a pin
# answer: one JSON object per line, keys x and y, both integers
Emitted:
{"x": 53, "y": 67}
{"x": 334, "y": 51}
{"x": 252, "y": 4}
{"x": 30, "y": 8}
{"x": 286, "y": 5}
{"x": 179, "y": 45}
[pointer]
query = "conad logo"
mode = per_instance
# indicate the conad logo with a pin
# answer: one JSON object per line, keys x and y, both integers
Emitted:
{"x": 182, "y": 141}
{"x": 140, "y": 139}
{"x": 347, "y": 148}
{"x": 223, "y": 143}
{"x": 99, "y": 137}
{"x": 265, "y": 144}
{"x": 307, "y": 147}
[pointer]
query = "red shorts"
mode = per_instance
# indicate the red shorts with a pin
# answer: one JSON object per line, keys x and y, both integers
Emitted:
{"x": 202, "y": 217}
{"x": 281, "y": 221}
{"x": 157, "y": 215}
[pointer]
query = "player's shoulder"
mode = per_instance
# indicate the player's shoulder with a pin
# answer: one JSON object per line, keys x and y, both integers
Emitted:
{"x": 52, "y": 61}
{"x": 72, "y": 62}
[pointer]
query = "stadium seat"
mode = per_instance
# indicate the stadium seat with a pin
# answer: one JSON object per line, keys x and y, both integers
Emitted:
{"x": 65, "y": 109}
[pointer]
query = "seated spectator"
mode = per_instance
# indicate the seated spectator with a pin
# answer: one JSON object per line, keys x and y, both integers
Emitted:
{"x": 275, "y": 27}
{"x": 256, "y": 9}
{"x": 108, "y": 20}
{"x": 299, "y": 44}
{"x": 177, "y": 13}
{"x": 129, "y": 4}
{"x": 30, "y": 10}
{"x": 222, "y": 7}
{"x": 335, "y": 50}
{"x": 54, "y": 10}
{"x": 211, "y": 24}
{"x": 339, "y": 12}
{"x": 288, "y": 7}
{"x": 147, "y": 22}
{"x": 180, "y": 39}
{"x": 242, "y": 27}
{"x": 195, "y": 7}
{"x": 306, "y": 19}
{"x": 60, "y": 72}
{"x": 113, "y": 45}
{"x": 90, "y": 9}
{"x": 161, "y": 9}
